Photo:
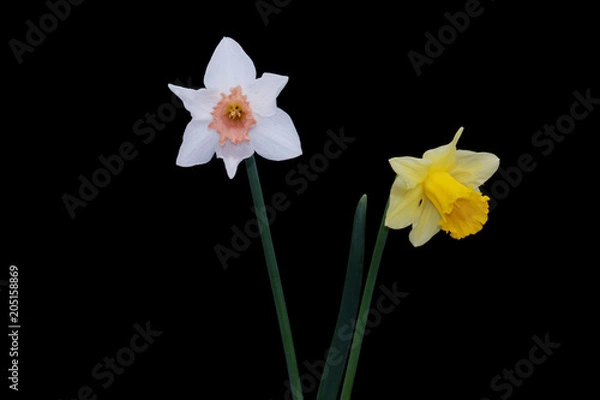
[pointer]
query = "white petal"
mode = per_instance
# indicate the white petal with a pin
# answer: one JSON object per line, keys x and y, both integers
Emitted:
{"x": 199, "y": 144}
{"x": 411, "y": 170}
{"x": 473, "y": 169}
{"x": 426, "y": 226}
{"x": 229, "y": 67}
{"x": 404, "y": 205}
{"x": 263, "y": 92}
{"x": 233, "y": 154}
{"x": 198, "y": 102}
{"x": 275, "y": 138}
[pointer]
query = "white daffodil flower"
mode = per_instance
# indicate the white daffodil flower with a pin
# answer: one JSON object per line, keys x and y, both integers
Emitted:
{"x": 236, "y": 114}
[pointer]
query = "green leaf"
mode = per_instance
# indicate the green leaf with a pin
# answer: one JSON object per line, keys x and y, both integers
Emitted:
{"x": 364, "y": 307}
{"x": 340, "y": 344}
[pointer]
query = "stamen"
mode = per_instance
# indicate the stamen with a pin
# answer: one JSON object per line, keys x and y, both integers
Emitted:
{"x": 235, "y": 113}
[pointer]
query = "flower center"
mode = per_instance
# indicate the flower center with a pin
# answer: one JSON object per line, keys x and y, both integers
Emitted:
{"x": 235, "y": 112}
{"x": 232, "y": 117}
{"x": 463, "y": 210}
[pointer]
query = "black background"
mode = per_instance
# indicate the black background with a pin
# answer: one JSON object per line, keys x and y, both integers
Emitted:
{"x": 143, "y": 248}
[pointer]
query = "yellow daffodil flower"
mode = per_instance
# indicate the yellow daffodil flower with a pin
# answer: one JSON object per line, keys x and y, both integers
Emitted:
{"x": 440, "y": 191}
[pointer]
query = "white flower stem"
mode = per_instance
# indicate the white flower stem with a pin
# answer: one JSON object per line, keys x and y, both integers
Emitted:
{"x": 280, "y": 307}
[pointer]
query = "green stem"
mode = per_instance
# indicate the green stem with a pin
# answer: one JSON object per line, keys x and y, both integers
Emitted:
{"x": 365, "y": 304}
{"x": 280, "y": 307}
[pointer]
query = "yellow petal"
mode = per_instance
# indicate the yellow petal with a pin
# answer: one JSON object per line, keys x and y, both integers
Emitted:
{"x": 404, "y": 205}
{"x": 443, "y": 191}
{"x": 410, "y": 170}
{"x": 443, "y": 157}
{"x": 463, "y": 210}
{"x": 473, "y": 169}
{"x": 426, "y": 225}
{"x": 467, "y": 217}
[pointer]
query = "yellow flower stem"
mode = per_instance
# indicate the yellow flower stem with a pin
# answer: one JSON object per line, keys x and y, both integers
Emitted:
{"x": 280, "y": 307}
{"x": 365, "y": 304}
